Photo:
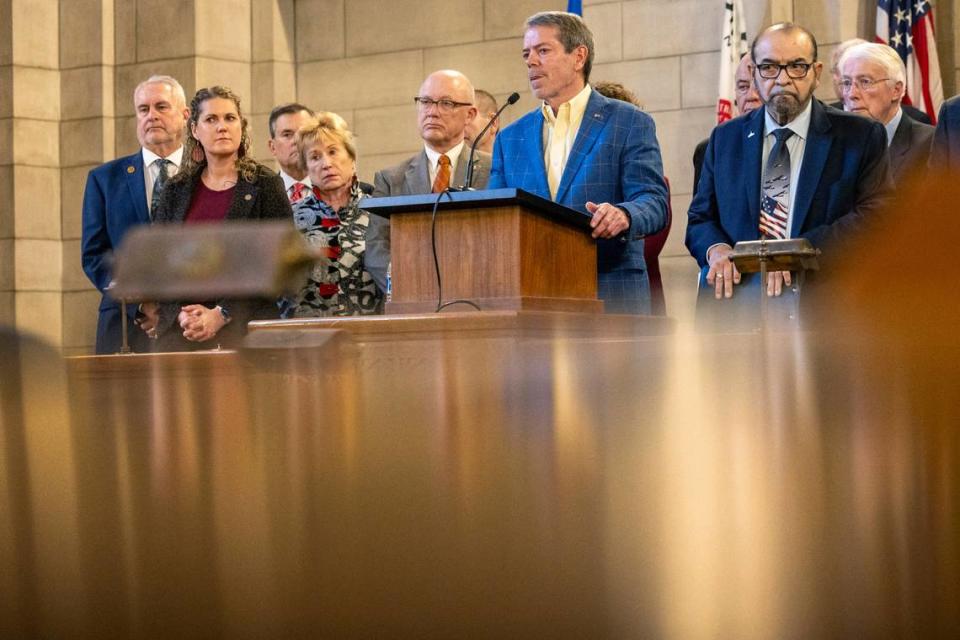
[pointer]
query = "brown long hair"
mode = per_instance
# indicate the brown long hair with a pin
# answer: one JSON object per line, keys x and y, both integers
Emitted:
{"x": 247, "y": 167}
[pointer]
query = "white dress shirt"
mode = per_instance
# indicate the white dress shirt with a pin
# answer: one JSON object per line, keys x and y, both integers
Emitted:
{"x": 433, "y": 160}
{"x": 152, "y": 170}
{"x": 289, "y": 182}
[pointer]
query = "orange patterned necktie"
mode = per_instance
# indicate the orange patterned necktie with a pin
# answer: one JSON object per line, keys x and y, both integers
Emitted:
{"x": 442, "y": 181}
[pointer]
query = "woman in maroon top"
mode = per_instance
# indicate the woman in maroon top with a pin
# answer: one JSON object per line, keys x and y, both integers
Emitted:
{"x": 217, "y": 181}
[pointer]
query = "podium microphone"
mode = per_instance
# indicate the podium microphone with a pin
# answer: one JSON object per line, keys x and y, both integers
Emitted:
{"x": 468, "y": 185}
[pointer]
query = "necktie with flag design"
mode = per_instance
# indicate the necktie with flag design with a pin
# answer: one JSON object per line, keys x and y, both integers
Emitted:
{"x": 774, "y": 208}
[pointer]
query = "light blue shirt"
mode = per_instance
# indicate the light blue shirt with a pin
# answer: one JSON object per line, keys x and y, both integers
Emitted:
{"x": 891, "y": 126}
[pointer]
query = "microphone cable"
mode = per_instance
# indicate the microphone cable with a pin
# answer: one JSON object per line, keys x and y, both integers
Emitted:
{"x": 441, "y": 305}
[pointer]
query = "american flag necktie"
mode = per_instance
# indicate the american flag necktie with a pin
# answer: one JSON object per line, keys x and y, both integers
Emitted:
{"x": 442, "y": 181}
{"x": 774, "y": 208}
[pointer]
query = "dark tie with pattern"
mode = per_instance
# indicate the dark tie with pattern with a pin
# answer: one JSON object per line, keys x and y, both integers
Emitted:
{"x": 442, "y": 181}
{"x": 158, "y": 184}
{"x": 774, "y": 209}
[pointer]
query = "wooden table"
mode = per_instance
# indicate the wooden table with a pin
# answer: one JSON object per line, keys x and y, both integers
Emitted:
{"x": 546, "y": 487}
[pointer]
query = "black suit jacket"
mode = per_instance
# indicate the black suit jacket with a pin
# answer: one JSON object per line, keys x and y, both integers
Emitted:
{"x": 910, "y": 147}
{"x": 698, "y": 155}
{"x": 908, "y": 110}
{"x": 262, "y": 199}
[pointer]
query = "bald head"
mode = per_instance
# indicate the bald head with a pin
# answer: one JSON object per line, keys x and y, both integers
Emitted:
{"x": 747, "y": 97}
{"x": 444, "y": 108}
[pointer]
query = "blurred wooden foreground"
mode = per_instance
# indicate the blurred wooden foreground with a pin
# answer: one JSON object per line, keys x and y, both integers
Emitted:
{"x": 794, "y": 485}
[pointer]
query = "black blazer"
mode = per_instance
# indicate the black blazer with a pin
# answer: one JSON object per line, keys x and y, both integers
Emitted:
{"x": 262, "y": 199}
{"x": 910, "y": 147}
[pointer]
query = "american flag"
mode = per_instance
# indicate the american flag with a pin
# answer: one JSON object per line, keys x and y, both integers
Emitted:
{"x": 733, "y": 44}
{"x": 907, "y": 26}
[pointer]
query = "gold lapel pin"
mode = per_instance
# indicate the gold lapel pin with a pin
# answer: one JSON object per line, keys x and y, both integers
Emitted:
{"x": 248, "y": 197}
{"x": 131, "y": 170}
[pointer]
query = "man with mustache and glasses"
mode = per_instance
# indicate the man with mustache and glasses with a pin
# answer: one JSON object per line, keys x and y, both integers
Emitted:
{"x": 792, "y": 169}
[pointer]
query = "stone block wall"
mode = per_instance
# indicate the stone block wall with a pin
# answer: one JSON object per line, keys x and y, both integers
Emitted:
{"x": 68, "y": 70}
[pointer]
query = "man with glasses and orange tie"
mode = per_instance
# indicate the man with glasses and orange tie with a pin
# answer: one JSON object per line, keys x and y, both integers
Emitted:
{"x": 792, "y": 169}
{"x": 445, "y": 106}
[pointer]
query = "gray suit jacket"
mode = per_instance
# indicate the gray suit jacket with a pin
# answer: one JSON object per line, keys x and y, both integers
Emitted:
{"x": 411, "y": 177}
{"x": 910, "y": 147}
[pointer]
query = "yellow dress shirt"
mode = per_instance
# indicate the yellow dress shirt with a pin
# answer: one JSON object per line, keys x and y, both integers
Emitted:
{"x": 559, "y": 133}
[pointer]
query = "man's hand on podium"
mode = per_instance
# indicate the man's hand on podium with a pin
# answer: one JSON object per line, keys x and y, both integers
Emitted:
{"x": 723, "y": 274}
{"x": 775, "y": 282}
{"x": 608, "y": 221}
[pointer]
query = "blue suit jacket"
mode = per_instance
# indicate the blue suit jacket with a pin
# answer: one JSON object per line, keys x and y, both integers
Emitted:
{"x": 946, "y": 140}
{"x": 114, "y": 200}
{"x": 844, "y": 180}
{"x": 616, "y": 159}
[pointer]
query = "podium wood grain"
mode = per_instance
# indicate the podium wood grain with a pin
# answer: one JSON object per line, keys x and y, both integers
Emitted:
{"x": 504, "y": 257}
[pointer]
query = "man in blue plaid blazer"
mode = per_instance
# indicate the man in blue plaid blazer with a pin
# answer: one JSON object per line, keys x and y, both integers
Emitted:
{"x": 587, "y": 152}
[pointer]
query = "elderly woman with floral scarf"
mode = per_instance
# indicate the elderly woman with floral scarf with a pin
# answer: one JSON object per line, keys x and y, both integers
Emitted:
{"x": 330, "y": 217}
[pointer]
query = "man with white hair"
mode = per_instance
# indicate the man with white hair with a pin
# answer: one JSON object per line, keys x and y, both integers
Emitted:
{"x": 873, "y": 83}
{"x": 909, "y": 110}
{"x": 122, "y": 193}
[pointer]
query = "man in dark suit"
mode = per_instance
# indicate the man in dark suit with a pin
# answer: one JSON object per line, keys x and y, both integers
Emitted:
{"x": 587, "y": 152}
{"x": 122, "y": 193}
{"x": 873, "y": 82}
{"x": 795, "y": 168}
{"x": 445, "y": 105}
{"x": 747, "y": 100}
{"x": 283, "y": 123}
{"x": 946, "y": 140}
{"x": 908, "y": 110}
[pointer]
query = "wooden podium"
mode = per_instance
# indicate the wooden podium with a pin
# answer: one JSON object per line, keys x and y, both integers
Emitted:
{"x": 502, "y": 249}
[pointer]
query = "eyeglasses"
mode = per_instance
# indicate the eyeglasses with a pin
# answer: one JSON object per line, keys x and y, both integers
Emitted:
{"x": 446, "y": 106}
{"x": 864, "y": 84}
{"x": 795, "y": 70}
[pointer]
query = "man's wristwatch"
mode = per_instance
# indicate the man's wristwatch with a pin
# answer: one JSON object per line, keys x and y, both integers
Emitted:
{"x": 225, "y": 313}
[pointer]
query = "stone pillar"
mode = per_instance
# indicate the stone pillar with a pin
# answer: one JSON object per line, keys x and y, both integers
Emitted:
{"x": 31, "y": 233}
{"x": 273, "y": 68}
{"x": 87, "y": 139}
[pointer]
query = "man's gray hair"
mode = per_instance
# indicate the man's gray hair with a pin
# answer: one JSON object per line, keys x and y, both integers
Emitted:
{"x": 840, "y": 50}
{"x": 882, "y": 54}
{"x": 572, "y": 32}
{"x": 170, "y": 81}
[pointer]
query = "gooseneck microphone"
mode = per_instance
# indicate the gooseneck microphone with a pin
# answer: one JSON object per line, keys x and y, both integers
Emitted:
{"x": 468, "y": 185}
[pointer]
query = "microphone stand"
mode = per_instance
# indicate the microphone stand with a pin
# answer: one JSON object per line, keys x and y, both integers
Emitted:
{"x": 468, "y": 184}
